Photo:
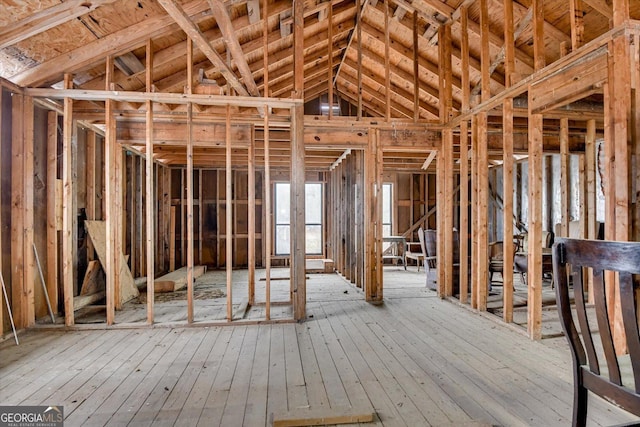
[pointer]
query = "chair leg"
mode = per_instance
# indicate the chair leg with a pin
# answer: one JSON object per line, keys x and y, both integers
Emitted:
{"x": 580, "y": 396}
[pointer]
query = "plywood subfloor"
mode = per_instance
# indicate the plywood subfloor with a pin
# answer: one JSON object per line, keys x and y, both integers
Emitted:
{"x": 415, "y": 360}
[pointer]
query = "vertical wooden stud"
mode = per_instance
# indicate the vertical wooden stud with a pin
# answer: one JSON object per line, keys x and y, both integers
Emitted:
{"x": 52, "y": 229}
{"x": 251, "y": 216}
{"x": 387, "y": 65}
{"x": 229, "y": 217}
{"x": 266, "y": 231}
{"x": 90, "y": 177}
{"x": 590, "y": 190}
{"x": 483, "y": 165}
{"x": 330, "y": 53}
{"x": 172, "y": 239}
{"x": 416, "y": 74}
{"x": 576, "y": 14}
{"x": 507, "y": 161}
{"x": 474, "y": 206}
{"x": 359, "y": 53}
{"x": 298, "y": 273}
{"x": 534, "y": 263}
{"x": 150, "y": 202}
{"x": 68, "y": 244}
{"x": 109, "y": 180}
{"x": 565, "y": 189}
{"x": 464, "y": 158}
{"x": 17, "y": 211}
{"x": 119, "y": 218}
{"x": 49, "y": 188}
{"x": 200, "y": 217}
{"x": 189, "y": 222}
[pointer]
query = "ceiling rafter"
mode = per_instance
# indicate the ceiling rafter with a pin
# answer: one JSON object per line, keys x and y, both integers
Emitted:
{"x": 46, "y": 19}
{"x": 233, "y": 45}
{"x": 191, "y": 29}
{"x": 376, "y": 93}
{"x": 499, "y": 58}
{"x": 115, "y": 43}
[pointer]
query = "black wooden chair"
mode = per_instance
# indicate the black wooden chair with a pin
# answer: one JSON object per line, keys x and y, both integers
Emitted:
{"x": 571, "y": 257}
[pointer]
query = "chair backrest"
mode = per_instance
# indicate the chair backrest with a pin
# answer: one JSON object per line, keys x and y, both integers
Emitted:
{"x": 430, "y": 242}
{"x": 570, "y": 259}
{"x": 421, "y": 238}
{"x": 496, "y": 250}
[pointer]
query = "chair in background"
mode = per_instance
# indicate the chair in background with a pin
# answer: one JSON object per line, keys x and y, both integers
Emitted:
{"x": 416, "y": 250}
{"x": 496, "y": 259}
{"x": 570, "y": 257}
{"x": 430, "y": 245}
{"x": 520, "y": 259}
{"x": 429, "y": 259}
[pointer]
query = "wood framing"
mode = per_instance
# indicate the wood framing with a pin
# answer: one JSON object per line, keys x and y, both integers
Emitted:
{"x": 173, "y": 121}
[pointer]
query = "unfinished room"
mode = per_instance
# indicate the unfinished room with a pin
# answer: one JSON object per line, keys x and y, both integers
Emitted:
{"x": 320, "y": 212}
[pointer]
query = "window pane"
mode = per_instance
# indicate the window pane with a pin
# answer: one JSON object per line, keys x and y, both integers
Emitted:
{"x": 386, "y": 203}
{"x": 282, "y": 240}
{"x": 313, "y": 239}
{"x": 313, "y": 203}
{"x": 283, "y": 204}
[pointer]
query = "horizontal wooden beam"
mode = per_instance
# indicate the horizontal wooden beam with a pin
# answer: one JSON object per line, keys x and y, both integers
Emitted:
{"x": 165, "y": 98}
{"x": 203, "y": 134}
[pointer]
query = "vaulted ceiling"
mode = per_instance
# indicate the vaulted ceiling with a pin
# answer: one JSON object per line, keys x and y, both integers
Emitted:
{"x": 346, "y": 42}
{"x": 42, "y": 39}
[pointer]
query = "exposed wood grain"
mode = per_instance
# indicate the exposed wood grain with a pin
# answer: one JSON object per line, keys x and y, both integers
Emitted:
{"x": 45, "y": 19}
{"x": 96, "y": 230}
{"x": 181, "y": 17}
{"x": 3, "y": 302}
{"x": 233, "y": 45}
{"x": 229, "y": 217}
{"x": 150, "y": 210}
{"x": 114, "y": 44}
{"x": 189, "y": 220}
{"x": 576, "y": 14}
{"x": 68, "y": 214}
{"x": 307, "y": 417}
{"x": 52, "y": 203}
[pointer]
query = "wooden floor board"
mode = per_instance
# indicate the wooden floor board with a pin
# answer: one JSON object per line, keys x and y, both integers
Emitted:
{"x": 88, "y": 402}
{"x": 219, "y": 393}
{"x": 69, "y": 380}
{"x": 153, "y": 383}
{"x": 171, "y": 370}
{"x": 416, "y": 406}
{"x": 179, "y": 394}
{"x": 119, "y": 397}
{"x": 31, "y": 360}
{"x": 50, "y": 371}
{"x": 413, "y": 360}
{"x": 233, "y": 414}
{"x": 197, "y": 397}
{"x": 255, "y": 413}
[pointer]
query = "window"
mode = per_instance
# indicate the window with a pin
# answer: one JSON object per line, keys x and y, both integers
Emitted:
{"x": 313, "y": 218}
{"x": 387, "y": 206}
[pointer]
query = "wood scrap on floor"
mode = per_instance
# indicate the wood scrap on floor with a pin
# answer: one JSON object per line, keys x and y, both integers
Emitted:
{"x": 93, "y": 281}
{"x": 176, "y": 280}
{"x": 83, "y": 301}
{"x": 322, "y": 416}
{"x": 97, "y": 233}
{"x": 241, "y": 311}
